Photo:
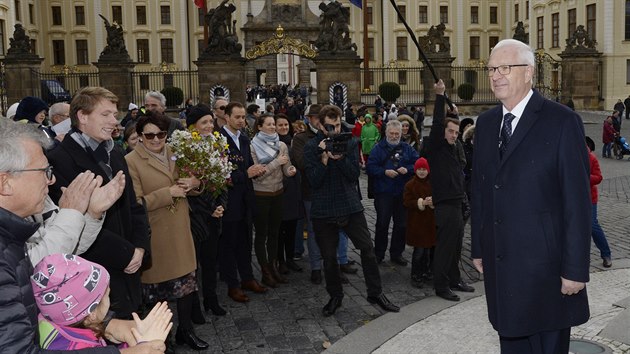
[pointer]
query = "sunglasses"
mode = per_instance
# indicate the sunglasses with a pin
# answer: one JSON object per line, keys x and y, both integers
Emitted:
{"x": 150, "y": 136}
{"x": 221, "y": 108}
{"x": 48, "y": 170}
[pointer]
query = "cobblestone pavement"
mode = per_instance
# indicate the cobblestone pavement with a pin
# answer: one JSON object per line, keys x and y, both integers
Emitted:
{"x": 288, "y": 319}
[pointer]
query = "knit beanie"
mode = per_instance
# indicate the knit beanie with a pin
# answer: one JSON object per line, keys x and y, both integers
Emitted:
{"x": 68, "y": 288}
{"x": 29, "y": 107}
{"x": 197, "y": 112}
{"x": 421, "y": 163}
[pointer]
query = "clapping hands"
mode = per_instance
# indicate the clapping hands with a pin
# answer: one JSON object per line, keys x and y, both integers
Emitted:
{"x": 155, "y": 326}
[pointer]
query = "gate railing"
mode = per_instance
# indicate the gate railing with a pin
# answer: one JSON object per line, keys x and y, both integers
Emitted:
{"x": 145, "y": 81}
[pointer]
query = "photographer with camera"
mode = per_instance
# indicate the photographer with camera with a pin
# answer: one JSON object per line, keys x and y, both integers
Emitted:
{"x": 391, "y": 165}
{"x": 332, "y": 168}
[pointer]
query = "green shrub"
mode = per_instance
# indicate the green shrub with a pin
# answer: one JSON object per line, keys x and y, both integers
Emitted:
{"x": 174, "y": 96}
{"x": 389, "y": 91}
{"x": 466, "y": 91}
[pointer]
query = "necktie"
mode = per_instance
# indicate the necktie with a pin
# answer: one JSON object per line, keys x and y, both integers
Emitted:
{"x": 506, "y": 132}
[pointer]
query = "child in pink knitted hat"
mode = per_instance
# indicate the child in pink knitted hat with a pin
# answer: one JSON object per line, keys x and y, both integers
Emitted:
{"x": 72, "y": 295}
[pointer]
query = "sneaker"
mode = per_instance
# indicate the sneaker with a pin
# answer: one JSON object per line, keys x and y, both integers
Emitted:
{"x": 607, "y": 262}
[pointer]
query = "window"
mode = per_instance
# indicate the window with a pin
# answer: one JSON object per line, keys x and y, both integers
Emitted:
{"x": 117, "y": 14}
{"x": 84, "y": 80}
{"x": 627, "y": 70}
{"x": 166, "y": 45}
{"x": 444, "y": 14}
{"x": 527, "y": 10}
{"x": 82, "y": 52}
{"x": 402, "y": 77}
{"x": 201, "y": 17}
{"x": 33, "y": 46}
{"x": 401, "y": 48}
{"x": 165, "y": 15}
{"x": 2, "y": 37}
{"x": 555, "y": 30}
{"x": 370, "y": 15}
{"x": 141, "y": 15}
{"x": 18, "y": 17}
{"x": 403, "y": 12}
{"x": 627, "y": 37}
{"x": 31, "y": 14}
{"x": 541, "y": 33}
{"x": 282, "y": 58}
{"x": 56, "y": 15}
{"x": 474, "y": 47}
{"x": 591, "y": 21}
{"x": 143, "y": 50}
{"x": 423, "y": 14}
{"x": 168, "y": 80}
{"x": 79, "y": 15}
{"x": 59, "y": 52}
{"x": 515, "y": 12}
{"x": 572, "y": 20}
{"x": 494, "y": 16}
{"x": 370, "y": 44}
{"x": 283, "y": 76}
{"x": 474, "y": 14}
{"x": 144, "y": 82}
{"x": 492, "y": 41}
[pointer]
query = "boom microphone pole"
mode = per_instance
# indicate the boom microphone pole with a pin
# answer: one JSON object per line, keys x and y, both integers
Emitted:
{"x": 424, "y": 57}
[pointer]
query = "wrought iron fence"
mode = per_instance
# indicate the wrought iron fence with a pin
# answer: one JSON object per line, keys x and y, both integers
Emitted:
{"x": 145, "y": 81}
{"x": 71, "y": 80}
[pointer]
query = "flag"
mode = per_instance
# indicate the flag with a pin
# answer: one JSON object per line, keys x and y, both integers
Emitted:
{"x": 357, "y": 3}
{"x": 201, "y": 3}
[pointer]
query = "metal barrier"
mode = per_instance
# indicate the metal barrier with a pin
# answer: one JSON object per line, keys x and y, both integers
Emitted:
{"x": 145, "y": 81}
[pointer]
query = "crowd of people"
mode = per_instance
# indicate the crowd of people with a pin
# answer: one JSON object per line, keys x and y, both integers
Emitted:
{"x": 113, "y": 227}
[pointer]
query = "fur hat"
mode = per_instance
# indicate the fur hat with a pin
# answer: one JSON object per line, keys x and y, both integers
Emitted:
{"x": 11, "y": 111}
{"x": 421, "y": 163}
{"x": 197, "y": 112}
{"x": 68, "y": 288}
{"x": 30, "y": 107}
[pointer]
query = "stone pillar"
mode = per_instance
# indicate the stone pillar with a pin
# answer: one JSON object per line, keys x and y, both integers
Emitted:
{"x": 20, "y": 78}
{"x": 304, "y": 73}
{"x": 229, "y": 72}
{"x": 442, "y": 65}
{"x": 581, "y": 79}
{"x": 116, "y": 77}
{"x": 338, "y": 68}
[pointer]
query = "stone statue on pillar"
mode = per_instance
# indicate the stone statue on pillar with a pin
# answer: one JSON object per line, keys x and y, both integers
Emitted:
{"x": 115, "y": 50}
{"x": 222, "y": 38}
{"x": 580, "y": 41}
{"x": 520, "y": 34}
{"x": 435, "y": 41}
{"x": 334, "y": 33}
{"x": 20, "y": 44}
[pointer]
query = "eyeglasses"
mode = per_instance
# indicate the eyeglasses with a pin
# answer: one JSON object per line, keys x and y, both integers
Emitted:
{"x": 48, "y": 170}
{"x": 221, "y": 108}
{"x": 150, "y": 136}
{"x": 502, "y": 69}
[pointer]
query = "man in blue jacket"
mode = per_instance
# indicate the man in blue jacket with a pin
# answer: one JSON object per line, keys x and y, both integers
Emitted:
{"x": 391, "y": 164}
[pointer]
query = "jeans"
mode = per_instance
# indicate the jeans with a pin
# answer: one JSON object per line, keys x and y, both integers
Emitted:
{"x": 598, "y": 235}
{"x": 299, "y": 237}
{"x": 606, "y": 150}
{"x": 389, "y": 206}
{"x": 314, "y": 255}
{"x": 355, "y": 226}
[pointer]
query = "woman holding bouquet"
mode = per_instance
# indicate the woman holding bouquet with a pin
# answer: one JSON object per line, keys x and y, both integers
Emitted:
{"x": 158, "y": 186}
{"x": 206, "y": 211}
{"x": 267, "y": 149}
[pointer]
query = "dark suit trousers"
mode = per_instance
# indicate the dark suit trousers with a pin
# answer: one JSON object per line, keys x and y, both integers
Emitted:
{"x": 389, "y": 206}
{"x": 549, "y": 342}
{"x": 448, "y": 250}
{"x": 327, "y": 237}
{"x": 235, "y": 257}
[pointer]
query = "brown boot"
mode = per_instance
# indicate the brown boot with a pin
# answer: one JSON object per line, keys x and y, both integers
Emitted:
{"x": 279, "y": 278}
{"x": 252, "y": 285}
{"x": 237, "y": 295}
{"x": 267, "y": 278}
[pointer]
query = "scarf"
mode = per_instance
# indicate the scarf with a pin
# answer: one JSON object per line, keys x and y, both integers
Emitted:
{"x": 100, "y": 151}
{"x": 266, "y": 146}
{"x": 161, "y": 157}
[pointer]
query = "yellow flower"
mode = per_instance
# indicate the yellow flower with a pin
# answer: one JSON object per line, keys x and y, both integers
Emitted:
{"x": 196, "y": 136}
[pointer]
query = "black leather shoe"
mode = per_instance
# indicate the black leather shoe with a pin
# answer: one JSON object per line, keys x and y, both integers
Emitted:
{"x": 447, "y": 295}
{"x": 607, "y": 262}
{"x": 383, "y": 302}
{"x": 293, "y": 266}
{"x": 463, "y": 287}
{"x": 212, "y": 304}
{"x": 316, "y": 277}
{"x": 331, "y": 307}
{"x": 348, "y": 269}
{"x": 400, "y": 261}
{"x": 190, "y": 338}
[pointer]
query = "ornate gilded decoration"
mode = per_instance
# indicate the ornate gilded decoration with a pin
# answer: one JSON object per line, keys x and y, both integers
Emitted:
{"x": 280, "y": 44}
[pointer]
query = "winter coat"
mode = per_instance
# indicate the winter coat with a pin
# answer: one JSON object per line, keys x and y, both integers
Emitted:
{"x": 596, "y": 176}
{"x": 608, "y": 135}
{"x": 171, "y": 239}
{"x": 421, "y": 229}
{"x": 386, "y": 157}
{"x": 271, "y": 182}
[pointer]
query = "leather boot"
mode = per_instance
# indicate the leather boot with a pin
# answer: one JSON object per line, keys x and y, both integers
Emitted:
{"x": 189, "y": 337}
{"x": 267, "y": 277}
{"x": 279, "y": 278}
{"x": 197, "y": 315}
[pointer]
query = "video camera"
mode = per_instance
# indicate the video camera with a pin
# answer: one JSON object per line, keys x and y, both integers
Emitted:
{"x": 336, "y": 144}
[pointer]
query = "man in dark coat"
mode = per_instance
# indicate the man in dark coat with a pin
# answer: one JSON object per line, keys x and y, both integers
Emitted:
{"x": 123, "y": 241}
{"x": 531, "y": 212}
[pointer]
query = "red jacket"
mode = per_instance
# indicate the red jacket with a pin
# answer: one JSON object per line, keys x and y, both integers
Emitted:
{"x": 608, "y": 134}
{"x": 596, "y": 176}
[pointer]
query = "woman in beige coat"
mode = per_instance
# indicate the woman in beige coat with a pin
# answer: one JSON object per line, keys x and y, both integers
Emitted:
{"x": 158, "y": 186}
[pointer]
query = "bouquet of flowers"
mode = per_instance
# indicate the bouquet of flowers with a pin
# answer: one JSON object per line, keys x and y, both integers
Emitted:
{"x": 204, "y": 157}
